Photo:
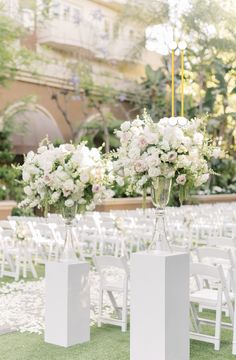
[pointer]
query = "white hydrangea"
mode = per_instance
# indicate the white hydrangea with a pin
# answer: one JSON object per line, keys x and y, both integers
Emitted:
{"x": 173, "y": 147}
{"x": 65, "y": 176}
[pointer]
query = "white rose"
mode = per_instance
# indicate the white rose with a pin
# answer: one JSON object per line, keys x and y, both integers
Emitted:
{"x": 194, "y": 154}
{"x": 142, "y": 142}
{"x": 68, "y": 185}
{"x": 164, "y": 157}
{"x": 151, "y": 137}
{"x": 170, "y": 174}
{"x": 205, "y": 177}
{"x": 129, "y": 171}
{"x": 69, "y": 203}
{"x": 153, "y": 160}
{"x": 182, "y": 149}
{"x": 198, "y": 138}
{"x": 119, "y": 133}
{"x": 84, "y": 177}
{"x": 48, "y": 179}
{"x": 55, "y": 196}
{"x": 134, "y": 153}
{"x": 135, "y": 130}
{"x": 183, "y": 161}
{"x": 95, "y": 154}
{"x": 137, "y": 122}
{"x": 201, "y": 179}
{"x": 68, "y": 147}
{"x": 125, "y": 126}
{"x": 181, "y": 179}
{"x": 165, "y": 145}
{"x": 187, "y": 142}
{"x": 140, "y": 166}
{"x": 153, "y": 151}
{"x": 27, "y": 190}
{"x": 125, "y": 137}
{"x": 26, "y": 176}
{"x": 153, "y": 172}
{"x": 30, "y": 156}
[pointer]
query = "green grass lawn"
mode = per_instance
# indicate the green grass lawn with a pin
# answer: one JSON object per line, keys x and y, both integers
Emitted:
{"x": 107, "y": 343}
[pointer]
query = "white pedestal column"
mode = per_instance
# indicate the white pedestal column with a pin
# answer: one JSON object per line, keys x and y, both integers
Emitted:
{"x": 234, "y": 324}
{"x": 67, "y": 317}
{"x": 159, "y": 306}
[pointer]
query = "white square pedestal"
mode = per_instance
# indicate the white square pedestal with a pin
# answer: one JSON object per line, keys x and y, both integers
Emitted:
{"x": 234, "y": 324}
{"x": 67, "y": 317}
{"x": 159, "y": 319}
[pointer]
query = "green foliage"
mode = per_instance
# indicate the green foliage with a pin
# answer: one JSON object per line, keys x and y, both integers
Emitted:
{"x": 9, "y": 175}
{"x": 153, "y": 92}
{"x": 93, "y": 131}
{"x": 11, "y": 56}
{"x": 227, "y": 168}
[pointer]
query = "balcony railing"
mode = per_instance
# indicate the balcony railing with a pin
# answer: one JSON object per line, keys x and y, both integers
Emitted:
{"x": 67, "y": 35}
{"x": 90, "y": 36}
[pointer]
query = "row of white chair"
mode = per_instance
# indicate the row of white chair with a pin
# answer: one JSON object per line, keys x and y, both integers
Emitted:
{"x": 213, "y": 288}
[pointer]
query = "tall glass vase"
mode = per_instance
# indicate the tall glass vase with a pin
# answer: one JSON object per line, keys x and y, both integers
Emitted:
{"x": 160, "y": 193}
{"x": 68, "y": 254}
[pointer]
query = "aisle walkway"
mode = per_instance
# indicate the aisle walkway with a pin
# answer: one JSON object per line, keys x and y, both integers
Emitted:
{"x": 22, "y": 304}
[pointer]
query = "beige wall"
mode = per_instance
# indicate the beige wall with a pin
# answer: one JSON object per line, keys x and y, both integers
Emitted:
{"x": 17, "y": 90}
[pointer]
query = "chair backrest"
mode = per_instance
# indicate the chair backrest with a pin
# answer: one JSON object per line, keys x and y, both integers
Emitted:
{"x": 5, "y": 224}
{"x": 206, "y": 272}
{"x": 205, "y": 252}
{"x": 107, "y": 261}
{"x": 221, "y": 241}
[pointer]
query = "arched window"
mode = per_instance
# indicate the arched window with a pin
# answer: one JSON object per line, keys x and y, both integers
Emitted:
{"x": 31, "y": 125}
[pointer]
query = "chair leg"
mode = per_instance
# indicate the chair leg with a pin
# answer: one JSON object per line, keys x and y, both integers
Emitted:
{"x": 25, "y": 267}
{"x": 218, "y": 323}
{"x": 32, "y": 268}
{"x": 100, "y": 303}
{"x": 115, "y": 305}
{"x": 17, "y": 273}
{"x": 2, "y": 265}
{"x": 124, "y": 311}
{"x": 195, "y": 318}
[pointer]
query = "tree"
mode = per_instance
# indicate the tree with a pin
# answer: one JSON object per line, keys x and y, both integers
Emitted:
{"x": 11, "y": 57}
{"x": 11, "y": 54}
{"x": 212, "y": 65}
{"x": 99, "y": 105}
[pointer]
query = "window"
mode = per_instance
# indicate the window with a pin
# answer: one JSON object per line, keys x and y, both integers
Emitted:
{"x": 66, "y": 10}
{"x": 55, "y": 9}
{"x": 76, "y": 16}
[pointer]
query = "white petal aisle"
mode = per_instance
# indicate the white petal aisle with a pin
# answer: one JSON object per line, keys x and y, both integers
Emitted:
{"x": 22, "y": 304}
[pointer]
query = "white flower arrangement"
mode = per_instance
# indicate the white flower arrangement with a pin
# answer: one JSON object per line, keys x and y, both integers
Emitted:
{"x": 174, "y": 148}
{"x": 65, "y": 176}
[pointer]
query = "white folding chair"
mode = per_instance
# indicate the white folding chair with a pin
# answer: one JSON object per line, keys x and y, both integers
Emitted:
{"x": 214, "y": 297}
{"x": 104, "y": 264}
{"x": 15, "y": 260}
{"x": 219, "y": 256}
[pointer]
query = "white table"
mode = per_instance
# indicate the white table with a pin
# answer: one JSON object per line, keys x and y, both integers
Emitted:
{"x": 67, "y": 317}
{"x": 159, "y": 319}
